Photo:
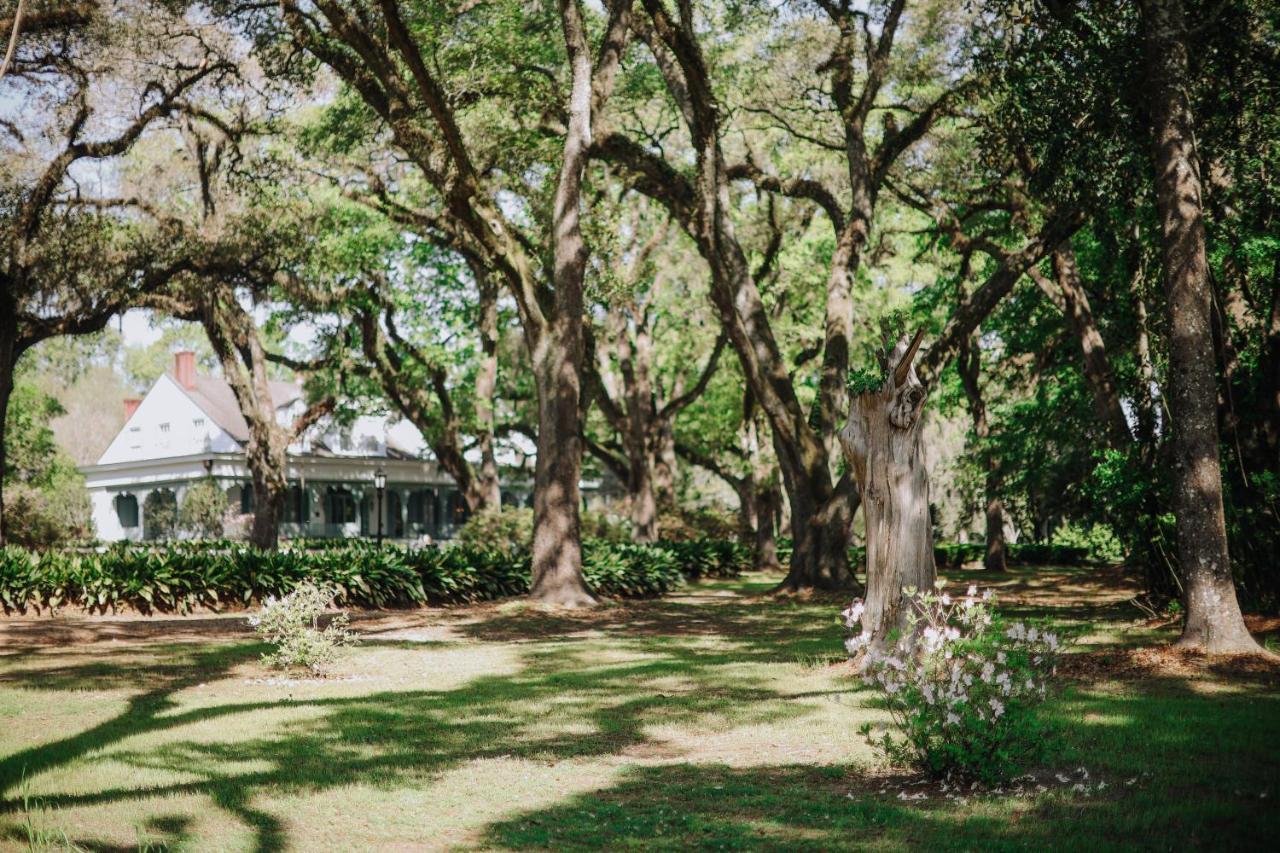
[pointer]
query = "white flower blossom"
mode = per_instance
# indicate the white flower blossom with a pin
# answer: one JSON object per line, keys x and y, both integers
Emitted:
{"x": 948, "y": 692}
{"x": 853, "y": 613}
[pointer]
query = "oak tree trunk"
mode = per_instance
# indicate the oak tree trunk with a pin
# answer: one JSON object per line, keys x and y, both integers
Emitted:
{"x": 969, "y": 365}
{"x": 8, "y": 362}
{"x": 269, "y": 487}
{"x": 643, "y": 500}
{"x": 639, "y": 436}
{"x": 881, "y": 442}
{"x": 557, "y": 523}
{"x": 236, "y": 342}
{"x": 820, "y": 521}
{"x": 664, "y": 465}
{"x": 766, "y": 543}
{"x": 487, "y": 486}
{"x": 558, "y": 356}
{"x": 1213, "y": 619}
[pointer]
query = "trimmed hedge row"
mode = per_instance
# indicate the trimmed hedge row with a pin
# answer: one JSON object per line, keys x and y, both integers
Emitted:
{"x": 183, "y": 575}
{"x": 711, "y": 558}
{"x": 952, "y": 555}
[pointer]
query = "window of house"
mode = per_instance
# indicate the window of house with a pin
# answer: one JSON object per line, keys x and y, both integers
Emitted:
{"x": 342, "y": 506}
{"x": 127, "y": 510}
{"x": 197, "y": 422}
{"x": 164, "y": 427}
{"x": 295, "y": 505}
{"x": 420, "y": 501}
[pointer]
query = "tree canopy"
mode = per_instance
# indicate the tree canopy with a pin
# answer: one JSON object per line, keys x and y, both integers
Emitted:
{"x": 679, "y": 245}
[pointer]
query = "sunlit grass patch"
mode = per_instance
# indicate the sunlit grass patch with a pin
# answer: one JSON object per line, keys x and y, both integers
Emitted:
{"x": 717, "y": 721}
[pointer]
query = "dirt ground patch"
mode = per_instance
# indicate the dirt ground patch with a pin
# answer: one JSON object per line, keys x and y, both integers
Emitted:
{"x": 1168, "y": 662}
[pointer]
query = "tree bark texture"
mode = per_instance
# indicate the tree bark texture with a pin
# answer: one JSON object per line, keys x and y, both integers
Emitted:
{"x": 233, "y": 336}
{"x": 558, "y": 353}
{"x": 881, "y": 442}
{"x": 1213, "y": 619}
{"x": 970, "y": 365}
{"x": 8, "y": 363}
{"x": 488, "y": 486}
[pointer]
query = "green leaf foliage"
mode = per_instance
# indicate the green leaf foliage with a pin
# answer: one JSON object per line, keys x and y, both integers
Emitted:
{"x": 183, "y": 575}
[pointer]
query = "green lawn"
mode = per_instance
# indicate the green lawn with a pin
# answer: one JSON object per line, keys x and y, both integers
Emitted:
{"x": 714, "y": 719}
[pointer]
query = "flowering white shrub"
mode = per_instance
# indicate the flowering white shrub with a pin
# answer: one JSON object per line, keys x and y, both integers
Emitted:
{"x": 292, "y": 625}
{"x": 962, "y": 688}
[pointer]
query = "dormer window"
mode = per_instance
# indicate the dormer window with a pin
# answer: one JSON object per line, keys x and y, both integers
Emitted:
{"x": 164, "y": 427}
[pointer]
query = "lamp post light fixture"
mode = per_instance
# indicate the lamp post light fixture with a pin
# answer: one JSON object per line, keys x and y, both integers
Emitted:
{"x": 380, "y": 481}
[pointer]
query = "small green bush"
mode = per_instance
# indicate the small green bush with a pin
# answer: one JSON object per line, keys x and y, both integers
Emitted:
{"x": 606, "y": 524}
{"x": 953, "y": 555}
{"x": 626, "y": 570}
{"x": 508, "y": 529}
{"x": 203, "y": 508}
{"x": 1099, "y": 541}
{"x": 159, "y": 514}
{"x": 687, "y": 524}
{"x": 710, "y": 558}
{"x": 292, "y": 625}
{"x": 43, "y": 518}
{"x": 963, "y": 689}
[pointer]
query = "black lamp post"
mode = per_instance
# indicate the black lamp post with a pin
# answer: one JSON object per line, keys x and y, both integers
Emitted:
{"x": 380, "y": 481}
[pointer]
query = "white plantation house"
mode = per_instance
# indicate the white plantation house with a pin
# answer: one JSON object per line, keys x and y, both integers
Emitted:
{"x": 188, "y": 428}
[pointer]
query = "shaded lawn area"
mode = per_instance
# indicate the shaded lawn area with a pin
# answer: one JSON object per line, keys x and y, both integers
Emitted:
{"x": 716, "y": 719}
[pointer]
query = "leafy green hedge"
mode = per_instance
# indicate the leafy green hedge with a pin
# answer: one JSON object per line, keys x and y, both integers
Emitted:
{"x": 710, "y": 558}
{"x": 955, "y": 554}
{"x": 183, "y": 575}
{"x": 1042, "y": 553}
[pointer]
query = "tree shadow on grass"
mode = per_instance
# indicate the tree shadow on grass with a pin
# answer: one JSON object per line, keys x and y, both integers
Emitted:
{"x": 1198, "y": 781}
{"x": 559, "y": 705}
{"x": 760, "y": 630}
{"x": 165, "y": 668}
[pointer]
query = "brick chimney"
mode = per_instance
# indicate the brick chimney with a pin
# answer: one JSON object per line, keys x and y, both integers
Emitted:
{"x": 184, "y": 369}
{"x": 131, "y": 405}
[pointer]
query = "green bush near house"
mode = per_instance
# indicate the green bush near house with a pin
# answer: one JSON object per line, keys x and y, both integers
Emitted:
{"x": 160, "y": 514}
{"x": 183, "y": 575}
{"x": 953, "y": 555}
{"x": 203, "y": 508}
{"x": 507, "y": 529}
